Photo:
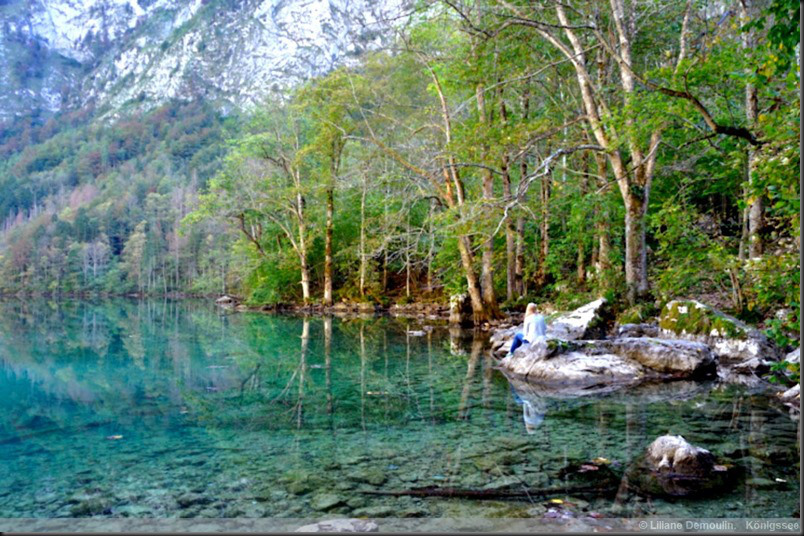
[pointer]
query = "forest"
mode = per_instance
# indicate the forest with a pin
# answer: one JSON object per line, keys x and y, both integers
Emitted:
{"x": 512, "y": 151}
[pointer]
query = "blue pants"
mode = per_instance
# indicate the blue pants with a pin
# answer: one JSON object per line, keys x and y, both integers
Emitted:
{"x": 519, "y": 340}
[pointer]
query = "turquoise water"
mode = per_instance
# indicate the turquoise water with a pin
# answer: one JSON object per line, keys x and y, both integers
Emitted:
{"x": 178, "y": 409}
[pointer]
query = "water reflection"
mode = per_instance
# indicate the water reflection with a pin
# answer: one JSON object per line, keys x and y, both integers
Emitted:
{"x": 247, "y": 405}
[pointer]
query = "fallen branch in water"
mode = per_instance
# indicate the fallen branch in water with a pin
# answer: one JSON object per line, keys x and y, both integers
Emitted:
{"x": 482, "y": 494}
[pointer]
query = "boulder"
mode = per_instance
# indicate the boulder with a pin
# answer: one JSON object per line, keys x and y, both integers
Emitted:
{"x": 588, "y": 322}
{"x": 731, "y": 340}
{"x": 794, "y": 356}
{"x": 326, "y": 501}
{"x": 671, "y": 466}
{"x": 562, "y": 363}
{"x": 460, "y": 310}
{"x": 792, "y": 396}
{"x": 673, "y": 454}
{"x": 572, "y": 365}
{"x": 226, "y": 300}
{"x": 752, "y": 367}
{"x": 340, "y": 525}
{"x": 687, "y": 358}
{"x": 638, "y": 330}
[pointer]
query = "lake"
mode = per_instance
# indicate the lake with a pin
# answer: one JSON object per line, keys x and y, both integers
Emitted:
{"x": 179, "y": 409}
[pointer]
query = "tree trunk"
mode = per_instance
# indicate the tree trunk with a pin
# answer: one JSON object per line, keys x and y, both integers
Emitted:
{"x": 487, "y": 260}
{"x": 510, "y": 238}
{"x": 636, "y": 277}
{"x": 544, "y": 227}
{"x": 305, "y": 272}
{"x": 581, "y": 260}
{"x": 602, "y": 222}
{"x": 363, "y": 240}
{"x": 521, "y": 287}
{"x": 328, "y": 248}
{"x": 756, "y": 208}
{"x": 479, "y": 314}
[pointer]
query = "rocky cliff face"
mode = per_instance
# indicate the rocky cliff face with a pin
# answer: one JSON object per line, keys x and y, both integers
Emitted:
{"x": 116, "y": 54}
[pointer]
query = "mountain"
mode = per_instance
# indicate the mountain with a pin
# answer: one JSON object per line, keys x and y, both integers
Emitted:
{"x": 113, "y": 55}
{"x": 115, "y": 113}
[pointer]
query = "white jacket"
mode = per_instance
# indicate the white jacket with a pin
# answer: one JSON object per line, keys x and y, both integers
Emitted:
{"x": 534, "y": 328}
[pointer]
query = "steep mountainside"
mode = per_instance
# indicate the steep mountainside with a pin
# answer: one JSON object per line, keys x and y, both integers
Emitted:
{"x": 114, "y": 54}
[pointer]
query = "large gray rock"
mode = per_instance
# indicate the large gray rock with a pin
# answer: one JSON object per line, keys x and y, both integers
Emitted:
{"x": 687, "y": 358}
{"x": 574, "y": 365}
{"x": 672, "y": 466}
{"x": 673, "y": 454}
{"x": 638, "y": 330}
{"x": 794, "y": 356}
{"x": 731, "y": 340}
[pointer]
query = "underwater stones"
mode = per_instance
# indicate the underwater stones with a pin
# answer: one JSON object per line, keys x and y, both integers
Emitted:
{"x": 587, "y": 322}
{"x": 503, "y": 483}
{"x": 190, "y": 499}
{"x": 90, "y": 507}
{"x": 370, "y": 475}
{"x": 731, "y": 340}
{"x": 341, "y": 525}
{"x": 326, "y": 501}
{"x": 375, "y": 511}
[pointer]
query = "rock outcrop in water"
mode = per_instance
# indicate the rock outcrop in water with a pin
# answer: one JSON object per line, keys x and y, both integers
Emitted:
{"x": 583, "y": 364}
{"x": 731, "y": 340}
{"x": 587, "y": 322}
{"x": 693, "y": 341}
{"x": 674, "y": 467}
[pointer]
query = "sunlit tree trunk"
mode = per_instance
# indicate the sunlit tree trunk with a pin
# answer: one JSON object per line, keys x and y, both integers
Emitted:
{"x": 328, "y": 248}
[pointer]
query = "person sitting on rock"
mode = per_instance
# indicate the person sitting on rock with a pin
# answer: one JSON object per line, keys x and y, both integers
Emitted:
{"x": 533, "y": 329}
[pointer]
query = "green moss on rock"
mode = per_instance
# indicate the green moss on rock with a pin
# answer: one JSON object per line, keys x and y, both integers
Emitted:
{"x": 695, "y": 318}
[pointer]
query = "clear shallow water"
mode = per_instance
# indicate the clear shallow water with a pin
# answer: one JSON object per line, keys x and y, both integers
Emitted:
{"x": 176, "y": 409}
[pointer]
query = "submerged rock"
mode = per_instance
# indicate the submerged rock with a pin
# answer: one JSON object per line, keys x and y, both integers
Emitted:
{"x": 731, "y": 340}
{"x": 325, "y": 501}
{"x": 341, "y": 525}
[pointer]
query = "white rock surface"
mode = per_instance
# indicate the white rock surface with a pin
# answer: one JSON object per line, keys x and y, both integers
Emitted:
{"x": 123, "y": 52}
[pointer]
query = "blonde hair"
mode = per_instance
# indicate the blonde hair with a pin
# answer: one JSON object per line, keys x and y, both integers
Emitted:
{"x": 530, "y": 309}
